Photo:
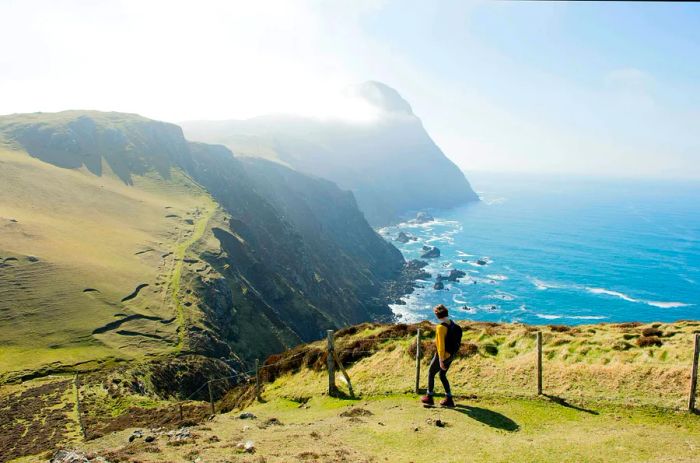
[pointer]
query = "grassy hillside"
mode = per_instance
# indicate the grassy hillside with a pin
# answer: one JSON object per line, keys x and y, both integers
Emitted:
{"x": 120, "y": 240}
{"x": 81, "y": 252}
{"x": 611, "y": 394}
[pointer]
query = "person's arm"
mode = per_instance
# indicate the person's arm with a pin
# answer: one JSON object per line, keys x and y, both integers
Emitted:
{"x": 440, "y": 335}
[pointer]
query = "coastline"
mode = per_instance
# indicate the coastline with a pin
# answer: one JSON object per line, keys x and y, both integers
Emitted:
{"x": 512, "y": 287}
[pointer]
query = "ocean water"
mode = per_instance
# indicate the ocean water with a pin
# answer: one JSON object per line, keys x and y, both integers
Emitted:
{"x": 563, "y": 251}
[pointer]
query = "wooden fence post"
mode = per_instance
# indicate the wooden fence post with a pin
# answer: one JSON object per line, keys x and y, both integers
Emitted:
{"x": 211, "y": 398}
{"x": 181, "y": 414}
{"x": 539, "y": 363}
{"x": 694, "y": 375}
{"x": 257, "y": 379}
{"x": 418, "y": 361}
{"x": 330, "y": 362}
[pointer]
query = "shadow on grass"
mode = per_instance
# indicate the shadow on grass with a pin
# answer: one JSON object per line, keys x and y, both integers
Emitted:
{"x": 342, "y": 395}
{"x": 564, "y": 403}
{"x": 486, "y": 416}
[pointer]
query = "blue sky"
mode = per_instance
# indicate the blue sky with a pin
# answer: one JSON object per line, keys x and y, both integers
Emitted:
{"x": 590, "y": 88}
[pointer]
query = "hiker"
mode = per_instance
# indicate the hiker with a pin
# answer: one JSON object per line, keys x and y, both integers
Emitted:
{"x": 448, "y": 337}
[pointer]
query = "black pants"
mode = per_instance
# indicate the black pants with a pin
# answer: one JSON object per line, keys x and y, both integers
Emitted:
{"x": 435, "y": 369}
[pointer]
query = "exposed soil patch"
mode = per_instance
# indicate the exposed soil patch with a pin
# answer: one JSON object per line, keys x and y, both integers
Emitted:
{"x": 355, "y": 412}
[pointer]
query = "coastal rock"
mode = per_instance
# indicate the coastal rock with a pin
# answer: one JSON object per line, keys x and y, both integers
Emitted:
{"x": 456, "y": 275}
{"x": 430, "y": 253}
{"x": 403, "y": 238}
{"x": 423, "y": 217}
{"x": 416, "y": 264}
{"x": 481, "y": 262}
{"x": 438, "y": 285}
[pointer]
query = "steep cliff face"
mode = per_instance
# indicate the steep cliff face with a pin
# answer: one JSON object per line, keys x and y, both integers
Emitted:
{"x": 118, "y": 238}
{"x": 390, "y": 163}
{"x": 300, "y": 248}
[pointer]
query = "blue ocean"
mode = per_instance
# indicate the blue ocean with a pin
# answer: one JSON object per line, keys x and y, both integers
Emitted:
{"x": 541, "y": 249}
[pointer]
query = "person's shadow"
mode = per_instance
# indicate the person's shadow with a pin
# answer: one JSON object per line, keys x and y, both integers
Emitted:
{"x": 489, "y": 417}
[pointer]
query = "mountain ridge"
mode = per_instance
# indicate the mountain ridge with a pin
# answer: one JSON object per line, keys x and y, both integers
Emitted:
{"x": 391, "y": 163}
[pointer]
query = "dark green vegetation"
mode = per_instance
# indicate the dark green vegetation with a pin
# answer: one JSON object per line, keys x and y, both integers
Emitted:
{"x": 120, "y": 240}
{"x": 391, "y": 164}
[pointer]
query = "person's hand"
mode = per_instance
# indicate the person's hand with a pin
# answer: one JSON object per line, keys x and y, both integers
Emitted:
{"x": 442, "y": 365}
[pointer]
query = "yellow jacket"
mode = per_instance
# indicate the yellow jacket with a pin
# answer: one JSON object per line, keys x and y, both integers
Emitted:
{"x": 440, "y": 336}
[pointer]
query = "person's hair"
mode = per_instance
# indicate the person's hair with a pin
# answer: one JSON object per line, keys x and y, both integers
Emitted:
{"x": 440, "y": 311}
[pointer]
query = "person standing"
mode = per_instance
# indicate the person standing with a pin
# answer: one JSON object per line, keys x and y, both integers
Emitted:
{"x": 448, "y": 337}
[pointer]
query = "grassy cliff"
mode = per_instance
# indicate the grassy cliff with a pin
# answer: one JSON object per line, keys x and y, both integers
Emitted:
{"x": 122, "y": 241}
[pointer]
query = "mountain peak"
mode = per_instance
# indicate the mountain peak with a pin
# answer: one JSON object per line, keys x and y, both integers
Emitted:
{"x": 383, "y": 97}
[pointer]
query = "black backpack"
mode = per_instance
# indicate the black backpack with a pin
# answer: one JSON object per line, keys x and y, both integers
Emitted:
{"x": 453, "y": 340}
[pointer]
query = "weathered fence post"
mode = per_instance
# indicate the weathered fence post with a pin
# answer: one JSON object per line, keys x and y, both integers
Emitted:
{"x": 418, "y": 361}
{"x": 181, "y": 414}
{"x": 211, "y": 398}
{"x": 330, "y": 363}
{"x": 539, "y": 363}
{"x": 257, "y": 379}
{"x": 694, "y": 375}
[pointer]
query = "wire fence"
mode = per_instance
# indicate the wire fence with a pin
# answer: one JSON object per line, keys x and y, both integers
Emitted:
{"x": 335, "y": 356}
{"x": 350, "y": 350}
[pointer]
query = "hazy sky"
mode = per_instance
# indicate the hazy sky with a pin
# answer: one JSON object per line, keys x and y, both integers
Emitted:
{"x": 591, "y": 88}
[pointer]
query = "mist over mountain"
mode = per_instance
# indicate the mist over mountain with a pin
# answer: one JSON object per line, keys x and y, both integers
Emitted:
{"x": 120, "y": 239}
{"x": 388, "y": 160}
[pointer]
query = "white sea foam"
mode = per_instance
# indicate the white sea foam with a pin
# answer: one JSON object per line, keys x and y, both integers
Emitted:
{"x": 612, "y": 293}
{"x": 502, "y": 296}
{"x": 667, "y": 305}
{"x": 588, "y": 317}
{"x": 457, "y": 300}
{"x": 539, "y": 284}
{"x": 548, "y": 316}
{"x": 498, "y": 277}
{"x": 623, "y": 296}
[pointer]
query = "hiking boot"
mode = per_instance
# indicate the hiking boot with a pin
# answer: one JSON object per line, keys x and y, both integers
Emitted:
{"x": 447, "y": 402}
{"x": 427, "y": 400}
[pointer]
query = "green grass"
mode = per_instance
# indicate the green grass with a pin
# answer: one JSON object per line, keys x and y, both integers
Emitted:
{"x": 578, "y": 365}
{"x": 400, "y": 430}
{"x": 89, "y": 231}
